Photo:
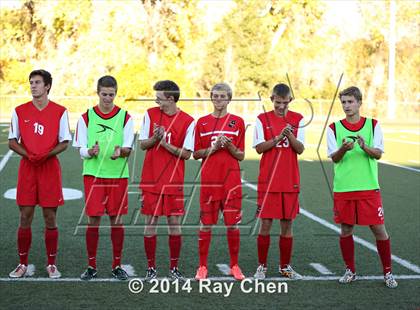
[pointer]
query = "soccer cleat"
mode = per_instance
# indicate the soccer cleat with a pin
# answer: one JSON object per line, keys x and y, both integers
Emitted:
{"x": 175, "y": 274}
{"x": 348, "y": 277}
{"x": 150, "y": 274}
{"x": 288, "y": 272}
{"x": 119, "y": 273}
{"x": 19, "y": 271}
{"x": 236, "y": 272}
{"x": 260, "y": 273}
{"x": 89, "y": 274}
{"x": 53, "y": 272}
{"x": 201, "y": 273}
{"x": 390, "y": 281}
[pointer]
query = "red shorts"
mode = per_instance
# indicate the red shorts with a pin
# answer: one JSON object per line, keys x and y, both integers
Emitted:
{"x": 40, "y": 185}
{"x": 360, "y": 210}
{"x": 283, "y": 206}
{"x": 162, "y": 205}
{"x": 231, "y": 209}
{"x": 108, "y": 195}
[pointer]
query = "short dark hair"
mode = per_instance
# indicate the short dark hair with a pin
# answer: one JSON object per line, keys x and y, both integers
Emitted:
{"x": 351, "y": 91}
{"x": 169, "y": 88}
{"x": 46, "y": 77}
{"x": 281, "y": 90}
{"x": 107, "y": 81}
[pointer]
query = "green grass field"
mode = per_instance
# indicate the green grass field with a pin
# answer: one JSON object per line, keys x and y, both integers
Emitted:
{"x": 314, "y": 243}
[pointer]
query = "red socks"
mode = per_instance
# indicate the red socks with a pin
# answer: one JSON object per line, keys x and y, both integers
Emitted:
{"x": 285, "y": 246}
{"x": 175, "y": 243}
{"x": 263, "y": 243}
{"x": 384, "y": 251}
{"x": 233, "y": 239}
{"x": 92, "y": 237}
{"x": 51, "y": 244}
{"x": 150, "y": 249}
{"x": 24, "y": 239}
{"x": 347, "y": 251}
{"x": 204, "y": 238}
{"x": 117, "y": 238}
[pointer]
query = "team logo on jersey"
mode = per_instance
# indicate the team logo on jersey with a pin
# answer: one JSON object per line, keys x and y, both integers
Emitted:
{"x": 232, "y": 124}
{"x": 104, "y": 128}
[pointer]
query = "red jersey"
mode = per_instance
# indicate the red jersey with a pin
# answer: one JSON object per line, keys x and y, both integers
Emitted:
{"x": 279, "y": 170}
{"x": 220, "y": 172}
{"x": 163, "y": 172}
{"x": 40, "y": 131}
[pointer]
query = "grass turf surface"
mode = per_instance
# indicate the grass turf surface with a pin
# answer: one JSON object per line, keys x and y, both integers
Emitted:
{"x": 314, "y": 243}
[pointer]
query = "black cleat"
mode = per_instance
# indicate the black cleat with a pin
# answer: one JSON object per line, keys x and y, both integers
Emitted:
{"x": 89, "y": 274}
{"x": 150, "y": 274}
{"x": 119, "y": 273}
{"x": 175, "y": 274}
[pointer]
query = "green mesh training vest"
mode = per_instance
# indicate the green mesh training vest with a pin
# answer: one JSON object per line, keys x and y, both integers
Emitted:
{"x": 108, "y": 133}
{"x": 356, "y": 171}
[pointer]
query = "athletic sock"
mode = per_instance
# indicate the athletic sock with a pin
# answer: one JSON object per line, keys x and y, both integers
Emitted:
{"x": 150, "y": 249}
{"x": 347, "y": 251}
{"x": 51, "y": 244}
{"x": 117, "y": 238}
{"x": 24, "y": 240}
{"x": 175, "y": 243}
{"x": 384, "y": 251}
{"x": 263, "y": 244}
{"x": 285, "y": 247}
{"x": 92, "y": 238}
{"x": 204, "y": 239}
{"x": 233, "y": 239}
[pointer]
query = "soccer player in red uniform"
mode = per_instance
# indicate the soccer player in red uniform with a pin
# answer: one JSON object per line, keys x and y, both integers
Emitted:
{"x": 219, "y": 142}
{"x": 39, "y": 131}
{"x": 104, "y": 137}
{"x": 167, "y": 136}
{"x": 354, "y": 145}
{"x": 279, "y": 136}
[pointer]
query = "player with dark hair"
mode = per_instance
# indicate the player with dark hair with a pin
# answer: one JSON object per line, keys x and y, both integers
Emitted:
{"x": 39, "y": 130}
{"x": 354, "y": 145}
{"x": 104, "y": 137}
{"x": 167, "y": 136}
{"x": 279, "y": 136}
{"x": 220, "y": 143}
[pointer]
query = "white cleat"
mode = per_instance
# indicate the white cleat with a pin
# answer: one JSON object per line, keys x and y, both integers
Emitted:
{"x": 53, "y": 272}
{"x": 19, "y": 272}
{"x": 288, "y": 272}
{"x": 260, "y": 273}
{"x": 390, "y": 281}
{"x": 348, "y": 277}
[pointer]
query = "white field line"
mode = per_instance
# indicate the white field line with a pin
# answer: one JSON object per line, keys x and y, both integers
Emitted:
{"x": 359, "y": 240}
{"x": 5, "y": 159}
{"x": 219, "y": 279}
{"x": 321, "y": 268}
{"x": 225, "y": 269}
{"x": 399, "y": 166}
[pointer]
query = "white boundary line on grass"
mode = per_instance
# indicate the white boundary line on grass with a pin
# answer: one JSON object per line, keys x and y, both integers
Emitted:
{"x": 399, "y": 166}
{"x": 5, "y": 159}
{"x": 321, "y": 269}
{"x": 224, "y": 279}
{"x": 359, "y": 240}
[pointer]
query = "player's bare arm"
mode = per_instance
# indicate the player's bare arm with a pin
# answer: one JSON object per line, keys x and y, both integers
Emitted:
{"x": 371, "y": 151}
{"x": 339, "y": 154}
{"x": 120, "y": 152}
{"x": 233, "y": 150}
{"x": 268, "y": 145}
{"x": 297, "y": 146}
{"x": 158, "y": 133}
{"x": 204, "y": 153}
{"x": 16, "y": 147}
{"x": 179, "y": 152}
{"x": 60, "y": 147}
{"x": 94, "y": 150}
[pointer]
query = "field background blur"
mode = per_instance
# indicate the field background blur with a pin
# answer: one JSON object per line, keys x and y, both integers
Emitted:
{"x": 249, "y": 44}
